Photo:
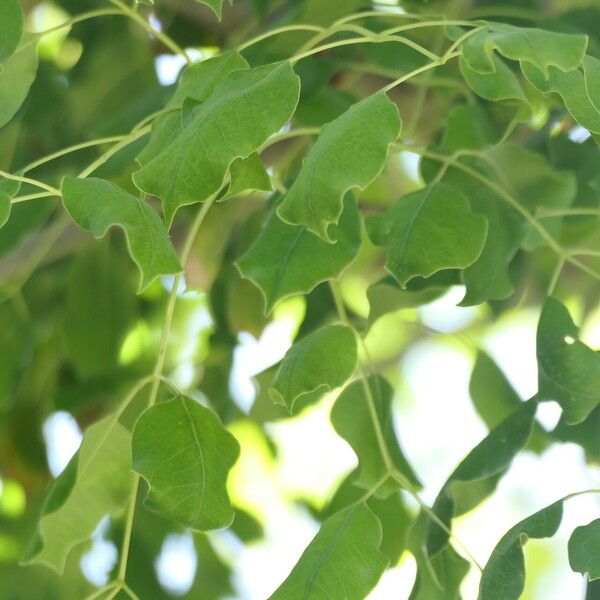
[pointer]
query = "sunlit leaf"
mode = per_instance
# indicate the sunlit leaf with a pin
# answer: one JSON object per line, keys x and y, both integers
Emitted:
{"x": 243, "y": 110}
{"x": 342, "y": 561}
{"x": 349, "y": 153}
{"x": 323, "y": 360}
{"x": 503, "y": 577}
{"x": 11, "y": 17}
{"x": 17, "y": 73}
{"x": 288, "y": 259}
{"x": 352, "y": 418}
{"x": 568, "y": 370}
{"x": 97, "y": 482}
{"x": 181, "y": 449}
{"x": 96, "y": 205}
{"x": 427, "y": 231}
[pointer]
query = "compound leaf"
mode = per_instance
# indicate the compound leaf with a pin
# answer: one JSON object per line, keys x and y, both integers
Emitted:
{"x": 97, "y": 481}
{"x": 349, "y": 153}
{"x": 503, "y": 577}
{"x": 184, "y": 453}
{"x": 568, "y": 370}
{"x": 427, "y": 231}
{"x": 324, "y": 359}
{"x": 342, "y": 561}
{"x": 11, "y": 17}
{"x": 288, "y": 259}
{"x": 96, "y": 205}
{"x": 244, "y": 109}
{"x": 584, "y": 549}
{"x": 351, "y": 418}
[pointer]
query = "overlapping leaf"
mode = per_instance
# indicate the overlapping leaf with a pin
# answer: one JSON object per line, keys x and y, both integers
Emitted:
{"x": 288, "y": 259}
{"x": 350, "y": 152}
{"x": 185, "y": 454}
{"x": 352, "y": 418}
{"x": 9, "y": 188}
{"x": 427, "y": 231}
{"x": 323, "y": 360}
{"x": 96, "y": 205}
{"x": 247, "y": 174}
{"x": 11, "y": 17}
{"x": 342, "y": 561}
{"x": 245, "y": 108}
{"x": 98, "y": 481}
{"x": 568, "y": 370}
{"x": 503, "y": 577}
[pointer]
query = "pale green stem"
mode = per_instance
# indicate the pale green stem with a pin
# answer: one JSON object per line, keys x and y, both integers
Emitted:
{"x": 286, "y": 135}
{"x": 279, "y": 30}
{"x": 425, "y": 24}
{"x": 159, "y": 35}
{"x": 554, "y": 279}
{"x": 460, "y": 40}
{"x": 70, "y": 149}
{"x": 569, "y": 212}
{"x": 101, "y": 591}
{"x": 92, "y": 14}
{"x": 35, "y": 182}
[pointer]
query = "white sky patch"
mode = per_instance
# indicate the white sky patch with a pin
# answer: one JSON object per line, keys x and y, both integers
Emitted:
{"x": 444, "y": 315}
{"x": 168, "y": 66}
{"x": 579, "y": 134}
{"x": 97, "y": 563}
{"x": 63, "y": 438}
{"x": 177, "y": 563}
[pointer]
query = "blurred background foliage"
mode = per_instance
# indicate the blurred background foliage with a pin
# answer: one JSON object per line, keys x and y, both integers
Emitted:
{"x": 74, "y": 336}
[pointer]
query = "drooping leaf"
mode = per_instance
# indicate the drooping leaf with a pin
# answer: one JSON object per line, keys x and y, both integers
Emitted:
{"x": 351, "y": 418}
{"x": 11, "y": 17}
{"x": 503, "y": 577}
{"x": 17, "y": 73}
{"x": 342, "y": 561}
{"x": 577, "y": 88}
{"x": 184, "y": 453}
{"x": 247, "y": 174}
{"x": 288, "y": 259}
{"x": 584, "y": 550}
{"x": 97, "y": 482}
{"x": 99, "y": 309}
{"x": 525, "y": 44}
{"x": 349, "y": 153}
{"x": 427, "y": 231}
{"x": 243, "y": 110}
{"x": 215, "y": 5}
{"x": 568, "y": 370}
{"x": 477, "y": 475}
{"x": 96, "y": 205}
{"x": 197, "y": 83}
{"x": 323, "y": 360}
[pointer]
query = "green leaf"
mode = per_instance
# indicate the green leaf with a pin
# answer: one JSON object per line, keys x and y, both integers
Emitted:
{"x": 578, "y": 89}
{"x": 342, "y": 561}
{"x": 97, "y": 205}
{"x": 427, "y": 231}
{"x": 530, "y": 45}
{"x": 349, "y": 153}
{"x": 247, "y": 174}
{"x": 184, "y": 453}
{"x": 17, "y": 73}
{"x": 99, "y": 309}
{"x": 584, "y": 550}
{"x": 477, "y": 475}
{"x": 323, "y": 360}
{"x": 215, "y": 5}
{"x": 197, "y": 83}
{"x": 98, "y": 481}
{"x": 351, "y": 418}
{"x": 568, "y": 370}
{"x": 244, "y": 109}
{"x": 11, "y": 17}
{"x": 288, "y": 259}
{"x": 9, "y": 188}
{"x": 503, "y": 577}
